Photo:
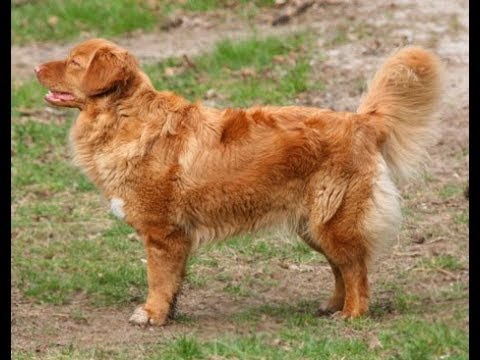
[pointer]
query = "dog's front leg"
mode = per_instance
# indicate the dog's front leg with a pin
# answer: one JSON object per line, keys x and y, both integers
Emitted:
{"x": 167, "y": 253}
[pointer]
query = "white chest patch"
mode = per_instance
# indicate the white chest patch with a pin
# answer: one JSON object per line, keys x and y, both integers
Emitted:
{"x": 116, "y": 206}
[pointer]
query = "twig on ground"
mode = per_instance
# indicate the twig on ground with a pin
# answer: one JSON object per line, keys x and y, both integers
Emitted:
{"x": 189, "y": 62}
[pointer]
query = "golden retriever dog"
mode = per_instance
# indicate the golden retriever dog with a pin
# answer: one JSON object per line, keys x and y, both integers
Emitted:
{"x": 183, "y": 174}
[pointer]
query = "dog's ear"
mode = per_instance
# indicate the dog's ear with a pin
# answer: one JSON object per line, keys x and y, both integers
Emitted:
{"x": 107, "y": 69}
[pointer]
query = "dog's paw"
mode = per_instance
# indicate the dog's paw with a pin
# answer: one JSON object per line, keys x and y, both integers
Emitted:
{"x": 141, "y": 317}
{"x": 339, "y": 315}
{"x": 332, "y": 306}
{"x": 342, "y": 315}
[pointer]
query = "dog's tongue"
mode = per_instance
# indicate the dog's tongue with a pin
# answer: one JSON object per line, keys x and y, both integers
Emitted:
{"x": 53, "y": 95}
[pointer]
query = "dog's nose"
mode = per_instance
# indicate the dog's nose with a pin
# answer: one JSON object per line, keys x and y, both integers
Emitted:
{"x": 37, "y": 69}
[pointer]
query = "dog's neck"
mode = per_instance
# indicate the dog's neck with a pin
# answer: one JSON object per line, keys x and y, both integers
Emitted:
{"x": 139, "y": 100}
{"x": 154, "y": 120}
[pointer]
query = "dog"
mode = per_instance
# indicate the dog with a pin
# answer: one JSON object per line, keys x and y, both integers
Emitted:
{"x": 182, "y": 174}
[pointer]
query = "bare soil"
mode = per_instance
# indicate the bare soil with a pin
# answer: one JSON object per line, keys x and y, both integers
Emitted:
{"x": 372, "y": 30}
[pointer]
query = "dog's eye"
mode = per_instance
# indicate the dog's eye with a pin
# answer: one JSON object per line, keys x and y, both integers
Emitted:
{"x": 74, "y": 63}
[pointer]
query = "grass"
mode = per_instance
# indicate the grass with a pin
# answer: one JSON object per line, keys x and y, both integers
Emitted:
{"x": 59, "y": 270}
{"x": 450, "y": 190}
{"x": 406, "y": 338}
{"x": 412, "y": 339}
{"x": 462, "y": 217}
{"x": 446, "y": 262}
{"x": 41, "y": 163}
{"x": 53, "y": 231}
{"x": 54, "y": 20}
{"x": 265, "y": 247}
{"x": 206, "y": 5}
{"x": 241, "y": 73}
{"x": 28, "y": 94}
{"x": 346, "y": 32}
{"x": 184, "y": 348}
{"x": 59, "y": 20}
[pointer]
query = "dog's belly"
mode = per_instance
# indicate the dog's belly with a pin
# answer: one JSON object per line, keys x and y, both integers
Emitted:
{"x": 206, "y": 233}
{"x": 228, "y": 209}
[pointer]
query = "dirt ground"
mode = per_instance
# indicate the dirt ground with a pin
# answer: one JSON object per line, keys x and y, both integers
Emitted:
{"x": 373, "y": 29}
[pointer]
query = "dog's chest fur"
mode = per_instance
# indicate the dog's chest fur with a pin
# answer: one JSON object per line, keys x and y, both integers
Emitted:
{"x": 116, "y": 207}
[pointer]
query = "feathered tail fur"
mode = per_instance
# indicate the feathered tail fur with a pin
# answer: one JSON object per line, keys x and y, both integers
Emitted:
{"x": 405, "y": 92}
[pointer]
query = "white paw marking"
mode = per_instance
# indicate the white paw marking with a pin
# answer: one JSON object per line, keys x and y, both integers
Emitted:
{"x": 139, "y": 316}
{"x": 116, "y": 206}
{"x": 339, "y": 315}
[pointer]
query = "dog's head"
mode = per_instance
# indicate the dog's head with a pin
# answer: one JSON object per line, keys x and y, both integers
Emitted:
{"x": 94, "y": 67}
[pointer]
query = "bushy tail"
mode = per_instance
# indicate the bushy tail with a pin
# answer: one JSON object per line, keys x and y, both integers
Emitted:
{"x": 404, "y": 93}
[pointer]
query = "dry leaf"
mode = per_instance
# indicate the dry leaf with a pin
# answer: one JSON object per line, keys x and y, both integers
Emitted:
{"x": 53, "y": 21}
{"x": 246, "y": 72}
{"x": 374, "y": 342}
{"x": 211, "y": 93}
{"x": 169, "y": 71}
{"x": 133, "y": 237}
{"x": 279, "y": 59}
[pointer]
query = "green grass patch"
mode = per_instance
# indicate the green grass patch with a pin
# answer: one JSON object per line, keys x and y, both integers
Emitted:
{"x": 53, "y": 20}
{"x": 408, "y": 338}
{"x": 206, "y": 5}
{"x": 427, "y": 176}
{"x": 404, "y": 302}
{"x": 107, "y": 269}
{"x": 242, "y": 73}
{"x": 450, "y": 190}
{"x": 407, "y": 212}
{"x": 411, "y": 338}
{"x": 60, "y": 19}
{"x": 53, "y": 254}
{"x": 28, "y": 94}
{"x": 197, "y": 279}
{"x": 403, "y": 338}
{"x": 289, "y": 345}
{"x": 41, "y": 163}
{"x": 398, "y": 301}
{"x": 447, "y": 262}
{"x": 187, "y": 348}
{"x": 237, "y": 290}
{"x": 262, "y": 247}
{"x": 462, "y": 218}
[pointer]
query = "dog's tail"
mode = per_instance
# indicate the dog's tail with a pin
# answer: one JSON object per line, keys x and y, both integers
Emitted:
{"x": 403, "y": 95}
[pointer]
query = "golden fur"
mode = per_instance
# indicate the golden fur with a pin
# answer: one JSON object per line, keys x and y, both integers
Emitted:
{"x": 182, "y": 174}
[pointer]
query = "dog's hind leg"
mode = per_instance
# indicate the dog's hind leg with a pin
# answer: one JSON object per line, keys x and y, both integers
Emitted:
{"x": 355, "y": 278}
{"x": 348, "y": 253}
{"x": 336, "y": 301}
{"x": 334, "y": 228}
{"x": 349, "y": 266}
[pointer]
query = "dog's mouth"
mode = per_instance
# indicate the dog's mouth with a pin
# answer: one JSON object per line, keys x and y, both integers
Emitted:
{"x": 59, "y": 96}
